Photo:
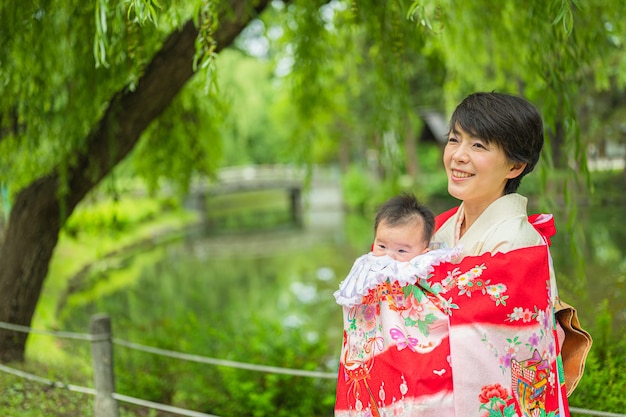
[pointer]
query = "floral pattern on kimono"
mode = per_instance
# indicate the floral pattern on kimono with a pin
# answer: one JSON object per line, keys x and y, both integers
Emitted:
{"x": 475, "y": 338}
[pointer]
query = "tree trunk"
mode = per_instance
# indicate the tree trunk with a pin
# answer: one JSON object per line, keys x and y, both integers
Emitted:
{"x": 38, "y": 213}
{"x": 410, "y": 149}
{"x": 557, "y": 140}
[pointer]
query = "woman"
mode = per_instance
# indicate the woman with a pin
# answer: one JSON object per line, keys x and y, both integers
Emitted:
{"x": 486, "y": 324}
{"x": 494, "y": 141}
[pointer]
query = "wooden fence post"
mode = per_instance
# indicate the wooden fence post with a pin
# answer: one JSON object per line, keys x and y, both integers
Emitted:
{"x": 102, "y": 357}
{"x": 295, "y": 198}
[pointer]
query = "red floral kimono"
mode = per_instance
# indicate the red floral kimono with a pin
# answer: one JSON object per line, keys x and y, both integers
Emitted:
{"x": 476, "y": 338}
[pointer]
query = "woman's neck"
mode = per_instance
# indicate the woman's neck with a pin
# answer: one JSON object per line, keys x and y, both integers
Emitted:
{"x": 469, "y": 219}
{"x": 471, "y": 212}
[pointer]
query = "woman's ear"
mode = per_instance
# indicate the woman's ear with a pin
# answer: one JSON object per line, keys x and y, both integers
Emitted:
{"x": 516, "y": 169}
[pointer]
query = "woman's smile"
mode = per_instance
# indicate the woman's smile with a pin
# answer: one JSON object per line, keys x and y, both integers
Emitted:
{"x": 460, "y": 174}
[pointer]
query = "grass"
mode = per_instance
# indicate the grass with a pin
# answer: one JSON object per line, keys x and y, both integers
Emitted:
{"x": 24, "y": 398}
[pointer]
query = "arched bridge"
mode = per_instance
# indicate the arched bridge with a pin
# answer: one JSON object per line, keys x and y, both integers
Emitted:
{"x": 246, "y": 178}
{"x": 255, "y": 177}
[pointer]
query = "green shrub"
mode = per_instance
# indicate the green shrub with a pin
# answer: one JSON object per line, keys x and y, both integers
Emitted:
{"x": 110, "y": 216}
{"x": 261, "y": 394}
{"x": 358, "y": 185}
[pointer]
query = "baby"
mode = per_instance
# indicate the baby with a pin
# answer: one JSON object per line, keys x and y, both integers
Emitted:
{"x": 402, "y": 232}
{"x": 385, "y": 313}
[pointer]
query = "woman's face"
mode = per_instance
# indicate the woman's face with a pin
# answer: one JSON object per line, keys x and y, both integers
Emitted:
{"x": 477, "y": 171}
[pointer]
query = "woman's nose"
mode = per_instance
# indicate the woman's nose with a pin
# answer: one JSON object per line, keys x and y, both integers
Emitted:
{"x": 460, "y": 154}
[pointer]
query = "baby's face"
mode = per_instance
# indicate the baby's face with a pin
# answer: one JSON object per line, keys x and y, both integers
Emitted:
{"x": 401, "y": 243}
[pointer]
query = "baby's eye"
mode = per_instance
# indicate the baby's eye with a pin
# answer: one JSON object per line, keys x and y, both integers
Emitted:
{"x": 402, "y": 251}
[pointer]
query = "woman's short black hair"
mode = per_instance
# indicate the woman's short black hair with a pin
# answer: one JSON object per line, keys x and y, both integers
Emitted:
{"x": 510, "y": 121}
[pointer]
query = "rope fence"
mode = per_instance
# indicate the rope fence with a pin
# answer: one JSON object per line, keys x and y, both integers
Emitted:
{"x": 116, "y": 396}
{"x": 98, "y": 337}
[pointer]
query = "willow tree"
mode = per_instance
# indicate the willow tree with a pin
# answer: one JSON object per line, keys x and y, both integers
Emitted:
{"x": 359, "y": 80}
{"x": 85, "y": 84}
{"x": 81, "y": 82}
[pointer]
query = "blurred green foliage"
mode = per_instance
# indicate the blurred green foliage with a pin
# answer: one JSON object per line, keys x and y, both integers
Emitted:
{"x": 605, "y": 370}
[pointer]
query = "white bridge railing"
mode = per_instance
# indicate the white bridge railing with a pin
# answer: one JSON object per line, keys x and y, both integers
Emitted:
{"x": 251, "y": 177}
{"x": 260, "y": 173}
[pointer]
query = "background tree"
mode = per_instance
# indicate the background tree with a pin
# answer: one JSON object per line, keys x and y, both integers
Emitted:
{"x": 75, "y": 121}
{"x": 359, "y": 81}
{"x": 257, "y": 128}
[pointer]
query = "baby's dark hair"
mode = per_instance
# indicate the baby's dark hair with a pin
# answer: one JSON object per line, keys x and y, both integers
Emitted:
{"x": 404, "y": 209}
{"x": 510, "y": 121}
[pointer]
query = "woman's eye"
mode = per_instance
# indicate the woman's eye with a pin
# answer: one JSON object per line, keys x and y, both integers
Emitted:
{"x": 452, "y": 139}
{"x": 480, "y": 145}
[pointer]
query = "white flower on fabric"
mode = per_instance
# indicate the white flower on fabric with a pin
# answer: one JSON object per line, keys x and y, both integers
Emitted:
{"x": 464, "y": 279}
{"x": 358, "y": 405}
{"x": 404, "y": 388}
{"x": 511, "y": 349}
{"x": 541, "y": 316}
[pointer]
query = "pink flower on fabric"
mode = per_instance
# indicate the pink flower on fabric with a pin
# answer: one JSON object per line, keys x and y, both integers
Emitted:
{"x": 494, "y": 399}
{"x": 368, "y": 317}
{"x": 506, "y": 360}
{"x": 417, "y": 311}
{"x": 512, "y": 347}
{"x": 527, "y": 316}
{"x": 496, "y": 292}
{"x": 493, "y": 391}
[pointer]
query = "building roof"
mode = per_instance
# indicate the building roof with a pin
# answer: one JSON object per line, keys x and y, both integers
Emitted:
{"x": 435, "y": 127}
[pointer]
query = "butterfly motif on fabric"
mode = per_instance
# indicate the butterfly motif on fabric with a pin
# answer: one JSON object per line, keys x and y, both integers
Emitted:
{"x": 403, "y": 340}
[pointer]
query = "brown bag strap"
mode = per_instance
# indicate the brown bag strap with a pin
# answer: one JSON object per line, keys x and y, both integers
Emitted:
{"x": 576, "y": 345}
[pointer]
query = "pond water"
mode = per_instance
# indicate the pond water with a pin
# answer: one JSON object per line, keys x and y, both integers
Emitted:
{"x": 200, "y": 293}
